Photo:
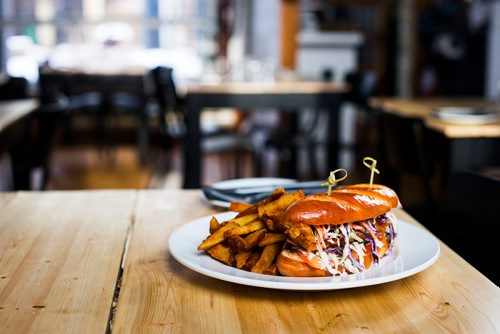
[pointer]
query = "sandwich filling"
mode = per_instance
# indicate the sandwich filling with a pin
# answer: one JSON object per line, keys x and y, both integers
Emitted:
{"x": 345, "y": 248}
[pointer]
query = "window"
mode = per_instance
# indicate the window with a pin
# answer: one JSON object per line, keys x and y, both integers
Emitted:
{"x": 72, "y": 32}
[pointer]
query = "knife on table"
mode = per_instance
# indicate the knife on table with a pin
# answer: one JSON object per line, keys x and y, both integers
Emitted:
{"x": 257, "y": 193}
{"x": 303, "y": 185}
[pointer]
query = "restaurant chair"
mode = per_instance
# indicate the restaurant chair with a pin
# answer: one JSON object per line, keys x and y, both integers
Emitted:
{"x": 296, "y": 134}
{"x": 468, "y": 220}
{"x": 48, "y": 122}
{"x": 403, "y": 152}
{"x": 227, "y": 144}
{"x": 13, "y": 88}
{"x": 71, "y": 96}
{"x": 118, "y": 96}
{"x": 60, "y": 100}
{"x": 362, "y": 87}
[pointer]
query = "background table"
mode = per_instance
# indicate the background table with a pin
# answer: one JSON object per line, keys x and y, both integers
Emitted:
{"x": 14, "y": 111}
{"x": 291, "y": 96}
{"x": 133, "y": 85}
{"x": 91, "y": 261}
{"x": 460, "y": 146}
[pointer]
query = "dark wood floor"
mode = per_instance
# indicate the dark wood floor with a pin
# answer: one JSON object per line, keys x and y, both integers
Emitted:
{"x": 85, "y": 167}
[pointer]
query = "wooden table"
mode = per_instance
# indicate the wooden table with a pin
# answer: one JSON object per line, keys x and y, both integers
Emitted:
{"x": 286, "y": 96}
{"x": 74, "y": 261}
{"x": 15, "y": 110}
{"x": 423, "y": 108}
{"x": 461, "y": 146}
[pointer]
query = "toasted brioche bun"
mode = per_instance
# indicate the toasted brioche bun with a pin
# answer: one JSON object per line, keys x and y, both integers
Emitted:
{"x": 344, "y": 205}
{"x": 289, "y": 263}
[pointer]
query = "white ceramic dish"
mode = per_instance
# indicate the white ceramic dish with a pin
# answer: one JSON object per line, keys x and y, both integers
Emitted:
{"x": 463, "y": 115}
{"x": 416, "y": 250}
{"x": 242, "y": 183}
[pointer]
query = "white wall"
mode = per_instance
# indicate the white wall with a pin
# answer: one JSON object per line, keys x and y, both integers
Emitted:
{"x": 265, "y": 30}
{"x": 493, "y": 57}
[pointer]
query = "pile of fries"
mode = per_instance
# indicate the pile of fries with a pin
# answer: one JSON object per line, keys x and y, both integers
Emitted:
{"x": 252, "y": 240}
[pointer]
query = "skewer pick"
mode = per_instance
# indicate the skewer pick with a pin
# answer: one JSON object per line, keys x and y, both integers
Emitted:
{"x": 372, "y": 166}
{"x": 331, "y": 181}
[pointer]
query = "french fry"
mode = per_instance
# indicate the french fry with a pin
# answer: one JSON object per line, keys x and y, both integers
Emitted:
{"x": 278, "y": 192}
{"x": 214, "y": 225}
{"x": 272, "y": 212}
{"x": 238, "y": 206}
{"x": 272, "y": 270}
{"x": 254, "y": 208}
{"x": 236, "y": 243}
{"x": 251, "y": 261}
{"x": 245, "y": 229}
{"x": 276, "y": 208}
{"x": 253, "y": 238}
{"x": 216, "y": 237}
{"x": 266, "y": 259}
{"x": 222, "y": 253}
{"x": 248, "y": 211}
{"x": 272, "y": 238}
{"x": 241, "y": 258}
{"x": 244, "y": 220}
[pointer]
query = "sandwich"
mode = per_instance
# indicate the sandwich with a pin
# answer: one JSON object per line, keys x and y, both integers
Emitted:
{"x": 344, "y": 232}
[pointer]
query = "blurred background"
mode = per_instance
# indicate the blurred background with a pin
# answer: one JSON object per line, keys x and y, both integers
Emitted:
{"x": 406, "y": 49}
{"x": 415, "y": 47}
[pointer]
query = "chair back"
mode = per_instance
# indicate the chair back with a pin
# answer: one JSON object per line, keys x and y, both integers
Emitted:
{"x": 171, "y": 114}
{"x": 165, "y": 90}
{"x": 362, "y": 87}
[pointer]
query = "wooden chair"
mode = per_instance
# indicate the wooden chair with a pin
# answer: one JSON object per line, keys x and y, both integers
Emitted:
{"x": 230, "y": 146}
{"x": 363, "y": 85}
{"x": 468, "y": 220}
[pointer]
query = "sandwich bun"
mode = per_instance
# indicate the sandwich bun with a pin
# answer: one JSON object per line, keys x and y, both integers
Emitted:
{"x": 344, "y": 205}
{"x": 290, "y": 263}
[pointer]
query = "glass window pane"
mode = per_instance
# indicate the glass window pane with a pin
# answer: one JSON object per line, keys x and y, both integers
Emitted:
{"x": 60, "y": 29}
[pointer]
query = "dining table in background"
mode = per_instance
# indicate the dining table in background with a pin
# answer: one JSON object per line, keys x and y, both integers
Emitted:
{"x": 130, "y": 84}
{"x": 13, "y": 111}
{"x": 99, "y": 261}
{"x": 460, "y": 145}
{"x": 253, "y": 96}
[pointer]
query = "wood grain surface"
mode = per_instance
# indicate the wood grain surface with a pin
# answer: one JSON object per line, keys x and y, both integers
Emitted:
{"x": 60, "y": 262}
{"x": 159, "y": 294}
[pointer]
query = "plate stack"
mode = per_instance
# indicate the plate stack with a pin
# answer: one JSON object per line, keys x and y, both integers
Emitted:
{"x": 465, "y": 115}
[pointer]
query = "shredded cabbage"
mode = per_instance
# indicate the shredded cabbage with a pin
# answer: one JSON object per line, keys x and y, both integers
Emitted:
{"x": 335, "y": 244}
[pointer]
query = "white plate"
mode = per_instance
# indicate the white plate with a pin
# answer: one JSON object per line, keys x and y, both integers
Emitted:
{"x": 242, "y": 183}
{"x": 464, "y": 115}
{"x": 416, "y": 249}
